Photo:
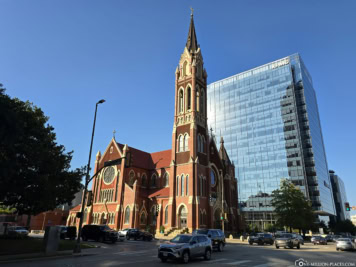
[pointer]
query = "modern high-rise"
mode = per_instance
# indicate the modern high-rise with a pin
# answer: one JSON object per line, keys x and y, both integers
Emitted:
{"x": 340, "y": 198}
{"x": 269, "y": 119}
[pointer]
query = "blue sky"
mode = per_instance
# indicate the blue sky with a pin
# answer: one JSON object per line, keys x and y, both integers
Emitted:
{"x": 65, "y": 55}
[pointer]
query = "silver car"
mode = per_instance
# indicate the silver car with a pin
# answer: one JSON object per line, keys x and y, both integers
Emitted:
{"x": 345, "y": 244}
{"x": 186, "y": 247}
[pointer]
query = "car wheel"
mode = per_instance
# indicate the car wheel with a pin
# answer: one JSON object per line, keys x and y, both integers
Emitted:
{"x": 260, "y": 243}
{"x": 185, "y": 257}
{"x": 326, "y": 243}
{"x": 113, "y": 241}
{"x": 207, "y": 255}
{"x": 250, "y": 243}
{"x": 163, "y": 259}
{"x": 271, "y": 243}
{"x": 298, "y": 246}
{"x": 101, "y": 239}
{"x": 221, "y": 247}
{"x": 277, "y": 247}
{"x": 127, "y": 237}
{"x": 337, "y": 249}
{"x": 84, "y": 237}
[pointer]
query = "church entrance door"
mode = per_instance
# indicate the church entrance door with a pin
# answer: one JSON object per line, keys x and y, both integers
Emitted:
{"x": 182, "y": 218}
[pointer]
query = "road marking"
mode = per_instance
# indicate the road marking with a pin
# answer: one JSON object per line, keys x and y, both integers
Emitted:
{"x": 217, "y": 260}
{"x": 237, "y": 262}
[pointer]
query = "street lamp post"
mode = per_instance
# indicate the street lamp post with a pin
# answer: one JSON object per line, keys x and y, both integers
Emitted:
{"x": 77, "y": 248}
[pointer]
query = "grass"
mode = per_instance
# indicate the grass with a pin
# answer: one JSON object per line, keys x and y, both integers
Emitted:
{"x": 33, "y": 245}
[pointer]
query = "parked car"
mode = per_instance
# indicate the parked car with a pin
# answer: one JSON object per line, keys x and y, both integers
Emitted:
{"x": 124, "y": 231}
{"x": 216, "y": 235}
{"x": 319, "y": 240}
{"x": 18, "y": 231}
{"x": 136, "y": 234}
{"x": 186, "y": 247}
{"x": 329, "y": 238}
{"x": 287, "y": 240}
{"x": 68, "y": 232}
{"x": 335, "y": 237}
{"x": 301, "y": 239}
{"x": 345, "y": 244}
{"x": 261, "y": 239}
{"x": 100, "y": 233}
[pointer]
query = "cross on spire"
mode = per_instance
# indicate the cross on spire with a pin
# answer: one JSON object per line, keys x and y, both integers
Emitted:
{"x": 192, "y": 42}
{"x": 113, "y": 134}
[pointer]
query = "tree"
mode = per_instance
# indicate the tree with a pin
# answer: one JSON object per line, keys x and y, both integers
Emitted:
{"x": 34, "y": 169}
{"x": 292, "y": 208}
{"x": 345, "y": 226}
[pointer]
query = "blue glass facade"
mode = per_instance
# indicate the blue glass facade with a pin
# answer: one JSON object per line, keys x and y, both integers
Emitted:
{"x": 269, "y": 119}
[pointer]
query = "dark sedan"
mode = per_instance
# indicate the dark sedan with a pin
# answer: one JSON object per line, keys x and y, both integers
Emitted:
{"x": 138, "y": 235}
{"x": 319, "y": 240}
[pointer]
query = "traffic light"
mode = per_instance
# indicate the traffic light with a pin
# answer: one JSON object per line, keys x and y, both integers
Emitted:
{"x": 347, "y": 206}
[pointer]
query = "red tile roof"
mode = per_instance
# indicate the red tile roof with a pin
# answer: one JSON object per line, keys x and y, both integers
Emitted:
{"x": 164, "y": 192}
{"x": 161, "y": 159}
{"x": 76, "y": 208}
{"x": 149, "y": 161}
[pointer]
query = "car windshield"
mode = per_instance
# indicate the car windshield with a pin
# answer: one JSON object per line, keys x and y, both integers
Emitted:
{"x": 202, "y": 232}
{"x": 287, "y": 236}
{"x": 105, "y": 227}
{"x": 20, "y": 228}
{"x": 343, "y": 239}
{"x": 181, "y": 239}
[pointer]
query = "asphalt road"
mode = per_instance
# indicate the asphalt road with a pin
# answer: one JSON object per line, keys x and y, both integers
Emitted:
{"x": 139, "y": 253}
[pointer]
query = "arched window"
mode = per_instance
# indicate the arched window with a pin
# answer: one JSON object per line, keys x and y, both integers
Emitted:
{"x": 143, "y": 218}
{"x": 144, "y": 180}
{"x": 185, "y": 68}
{"x": 197, "y": 99}
{"x": 127, "y": 215}
{"x": 181, "y": 102}
{"x": 177, "y": 185}
{"x": 182, "y": 185}
{"x": 201, "y": 186}
{"x": 187, "y": 185}
{"x": 131, "y": 178}
{"x": 154, "y": 180}
{"x": 213, "y": 177}
{"x": 186, "y": 138}
{"x": 189, "y": 94}
{"x": 153, "y": 215}
{"x": 199, "y": 143}
{"x": 166, "y": 180}
{"x": 166, "y": 215}
{"x": 201, "y": 102}
{"x": 181, "y": 143}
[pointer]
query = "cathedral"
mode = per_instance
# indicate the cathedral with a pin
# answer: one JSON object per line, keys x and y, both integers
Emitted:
{"x": 190, "y": 186}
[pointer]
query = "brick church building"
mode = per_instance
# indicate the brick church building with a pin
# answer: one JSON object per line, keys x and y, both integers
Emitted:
{"x": 192, "y": 185}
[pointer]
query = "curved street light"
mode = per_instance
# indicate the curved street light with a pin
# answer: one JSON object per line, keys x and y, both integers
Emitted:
{"x": 77, "y": 248}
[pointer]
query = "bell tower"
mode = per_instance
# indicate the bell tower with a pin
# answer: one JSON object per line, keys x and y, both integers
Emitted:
{"x": 190, "y": 133}
{"x": 190, "y": 116}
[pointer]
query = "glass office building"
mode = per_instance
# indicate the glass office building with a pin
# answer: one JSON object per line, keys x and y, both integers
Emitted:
{"x": 269, "y": 119}
{"x": 339, "y": 194}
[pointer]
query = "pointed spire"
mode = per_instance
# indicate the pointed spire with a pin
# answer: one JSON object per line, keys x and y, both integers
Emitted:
{"x": 192, "y": 43}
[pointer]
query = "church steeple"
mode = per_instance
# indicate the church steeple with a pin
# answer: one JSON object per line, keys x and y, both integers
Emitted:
{"x": 192, "y": 43}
